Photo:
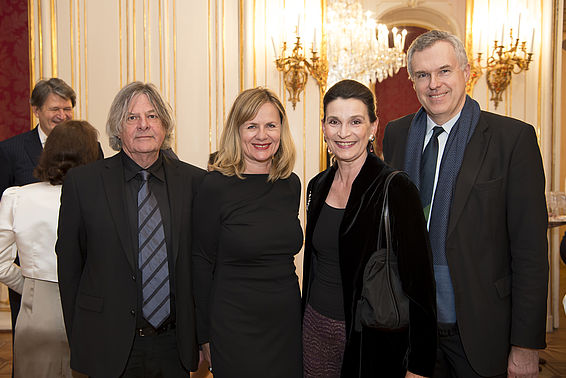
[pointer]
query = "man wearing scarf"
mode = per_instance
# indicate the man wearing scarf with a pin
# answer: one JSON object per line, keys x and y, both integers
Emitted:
{"x": 481, "y": 180}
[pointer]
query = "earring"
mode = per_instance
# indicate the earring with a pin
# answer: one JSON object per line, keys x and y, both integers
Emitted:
{"x": 371, "y": 138}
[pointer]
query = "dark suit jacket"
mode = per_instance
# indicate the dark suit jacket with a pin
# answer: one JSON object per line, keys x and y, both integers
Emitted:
{"x": 496, "y": 243}
{"x": 384, "y": 353}
{"x": 18, "y": 157}
{"x": 97, "y": 265}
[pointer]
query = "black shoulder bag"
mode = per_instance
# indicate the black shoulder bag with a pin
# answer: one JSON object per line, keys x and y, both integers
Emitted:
{"x": 383, "y": 304}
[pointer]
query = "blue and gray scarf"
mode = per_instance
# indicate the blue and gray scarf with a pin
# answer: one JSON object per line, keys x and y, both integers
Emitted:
{"x": 442, "y": 202}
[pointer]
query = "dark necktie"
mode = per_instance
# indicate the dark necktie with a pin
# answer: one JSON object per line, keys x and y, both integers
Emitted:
{"x": 152, "y": 258}
{"x": 428, "y": 170}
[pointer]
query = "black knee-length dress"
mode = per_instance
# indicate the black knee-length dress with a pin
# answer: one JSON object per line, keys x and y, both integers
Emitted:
{"x": 246, "y": 234}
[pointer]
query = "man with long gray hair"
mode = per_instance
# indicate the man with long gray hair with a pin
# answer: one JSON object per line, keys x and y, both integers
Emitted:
{"x": 123, "y": 249}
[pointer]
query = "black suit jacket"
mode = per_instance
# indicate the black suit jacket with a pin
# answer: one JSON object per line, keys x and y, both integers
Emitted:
{"x": 18, "y": 157}
{"x": 97, "y": 266}
{"x": 496, "y": 243}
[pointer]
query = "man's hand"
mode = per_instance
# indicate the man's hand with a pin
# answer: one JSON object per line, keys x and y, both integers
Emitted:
{"x": 522, "y": 363}
{"x": 204, "y": 355}
{"x": 412, "y": 375}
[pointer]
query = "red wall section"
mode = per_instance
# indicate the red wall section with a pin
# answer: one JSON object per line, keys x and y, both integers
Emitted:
{"x": 14, "y": 68}
{"x": 395, "y": 95}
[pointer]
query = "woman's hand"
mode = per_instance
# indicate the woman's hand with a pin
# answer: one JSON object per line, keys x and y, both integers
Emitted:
{"x": 411, "y": 375}
{"x": 204, "y": 355}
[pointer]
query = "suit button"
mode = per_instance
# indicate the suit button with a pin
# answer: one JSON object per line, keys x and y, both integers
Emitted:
{"x": 133, "y": 277}
{"x": 132, "y": 312}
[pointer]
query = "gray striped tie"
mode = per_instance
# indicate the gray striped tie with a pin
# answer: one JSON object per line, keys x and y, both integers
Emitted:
{"x": 152, "y": 256}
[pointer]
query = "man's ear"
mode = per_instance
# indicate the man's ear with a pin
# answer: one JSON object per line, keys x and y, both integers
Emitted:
{"x": 35, "y": 110}
{"x": 467, "y": 72}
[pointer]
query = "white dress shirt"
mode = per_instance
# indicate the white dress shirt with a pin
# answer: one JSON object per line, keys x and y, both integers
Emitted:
{"x": 442, "y": 139}
{"x": 28, "y": 224}
{"x": 42, "y": 136}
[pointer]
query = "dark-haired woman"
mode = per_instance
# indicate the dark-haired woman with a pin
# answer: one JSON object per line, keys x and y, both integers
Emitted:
{"x": 28, "y": 224}
{"x": 343, "y": 218}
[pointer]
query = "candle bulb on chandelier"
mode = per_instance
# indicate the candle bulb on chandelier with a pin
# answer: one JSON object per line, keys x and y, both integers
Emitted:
{"x": 532, "y": 41}
{"x": 314, "y": 41}
{"x": 519, "y": 27}
{"x": 274, "y": 49}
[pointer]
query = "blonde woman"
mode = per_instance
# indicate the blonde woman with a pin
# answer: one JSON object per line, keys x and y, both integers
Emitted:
{"x": 247, "y": 232}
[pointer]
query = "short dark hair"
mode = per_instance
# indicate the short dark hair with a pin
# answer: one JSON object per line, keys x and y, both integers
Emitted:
{"x": 351, "y": 89}
{"x": 44, "y": 88}
{"x": 428, "y": 39}
{"x": 70, "y": 144}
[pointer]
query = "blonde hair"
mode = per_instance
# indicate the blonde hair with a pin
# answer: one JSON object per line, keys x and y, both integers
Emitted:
{"x": 230, "y": 157}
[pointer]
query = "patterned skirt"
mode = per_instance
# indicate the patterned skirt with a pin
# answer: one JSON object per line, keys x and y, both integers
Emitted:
{"x": 324, "y": 340}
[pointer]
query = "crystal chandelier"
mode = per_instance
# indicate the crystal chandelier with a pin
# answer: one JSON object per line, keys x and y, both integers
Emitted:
{"x": 358, "y": 47}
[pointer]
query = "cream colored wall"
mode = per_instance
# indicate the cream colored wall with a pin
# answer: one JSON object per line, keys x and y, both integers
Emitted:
{"x": 200, "y": 54}
{"x": 447, "y": 15}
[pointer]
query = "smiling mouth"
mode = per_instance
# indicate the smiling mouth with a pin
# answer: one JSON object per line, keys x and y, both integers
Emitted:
{"x": 344, "y": 144}
{"x": 439, "y": 95}
{"x": 263, "y": 146}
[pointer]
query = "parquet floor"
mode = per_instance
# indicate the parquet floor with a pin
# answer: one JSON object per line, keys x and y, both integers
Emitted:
{"x": 554, "y": 354}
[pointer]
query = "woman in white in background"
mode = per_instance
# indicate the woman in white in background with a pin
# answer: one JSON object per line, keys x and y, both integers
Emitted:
{"x": 28, "y": 225}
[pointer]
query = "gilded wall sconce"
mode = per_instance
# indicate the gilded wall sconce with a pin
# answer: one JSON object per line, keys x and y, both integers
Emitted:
{"x": 296, "y": 68}
{"x": 501, "y": 64}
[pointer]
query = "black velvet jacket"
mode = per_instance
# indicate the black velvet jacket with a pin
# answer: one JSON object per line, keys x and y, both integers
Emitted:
{"x": 373, "y": 353}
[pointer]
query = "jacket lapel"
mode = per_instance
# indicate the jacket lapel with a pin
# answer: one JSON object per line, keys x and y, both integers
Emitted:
{"x": 361, "y": 186}
{"x": 113, "y": 179}
{"x": 33, "y": 146}
{"x": 473, "y": 160}
{"x": 319, "y": 192}
{"x": 178, "y": 194}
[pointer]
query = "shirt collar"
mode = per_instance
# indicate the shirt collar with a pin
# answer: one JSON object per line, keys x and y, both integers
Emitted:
{"x": 131, "y": 169}
{"x": 447, "y": 126}
{"x": 42, "y": 136}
